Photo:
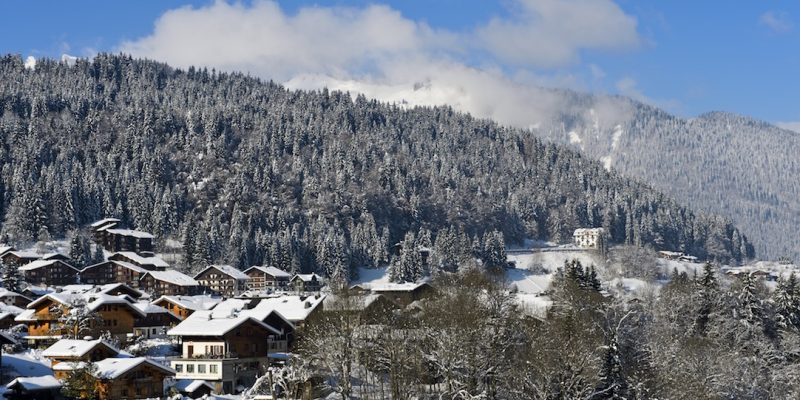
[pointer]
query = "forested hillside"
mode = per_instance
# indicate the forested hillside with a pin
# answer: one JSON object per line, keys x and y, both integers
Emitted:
{"x": 720, "y": 163}
{"x": 246, "y": 172}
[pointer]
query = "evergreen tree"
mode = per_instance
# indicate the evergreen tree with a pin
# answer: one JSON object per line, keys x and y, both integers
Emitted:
{"x": 11, "y": 277}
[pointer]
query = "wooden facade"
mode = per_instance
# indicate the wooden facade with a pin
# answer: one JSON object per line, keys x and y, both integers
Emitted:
{"x": 50, "y": 273}
{"x": 261, "y": 278}
{"x": 152, "y": 283}
{"x": 112, "y": 272}
{"x": 19, "y": 258}
{"x": 144, "y": 380}
{"x": 116, "y": 240}
{"x": 223, "y": 279}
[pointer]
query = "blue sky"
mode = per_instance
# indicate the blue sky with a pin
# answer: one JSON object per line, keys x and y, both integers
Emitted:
{"x": 687, "y": 56}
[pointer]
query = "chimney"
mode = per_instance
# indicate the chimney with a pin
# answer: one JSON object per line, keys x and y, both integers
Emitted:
{"x": 308, "y": 304}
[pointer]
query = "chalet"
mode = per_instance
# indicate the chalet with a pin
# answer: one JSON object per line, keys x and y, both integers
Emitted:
{"x": 92, "y": 314}
{"x": 113, "y": 271}
{"x": 373, "y": 307}
{"x": 400, "y": 293}
{"x": 131, "y": 378}
{"x": 116, "y": 240}
{"x": 157, "y": 321}
{"x": 72, "y": 351}
{"x": 169, "y": 282}
{"x": 307, "y": 282}
{"x": 5, "y": 249}
{"x": 103, "y": 224}
{"x": 49, "y": 273}
{"x": 8, "y": 314}
{"x": 294, "y": 308}
{"x": 34, "y": 387}
{"x": 33, "y": 292}
{"x": 18, "y": 258}
{"x": 184, "y": 306}
{"x": 591, "y": 238}
{"x": 13, "y": 298}
{"x": 193, "y": 388}
{"x": 225, "y": 349}
{"x": 267, "y": 278}
{"x": 150, "y": 263}
{"x": 266, "y": 312}
{"x": 223, "y": 279}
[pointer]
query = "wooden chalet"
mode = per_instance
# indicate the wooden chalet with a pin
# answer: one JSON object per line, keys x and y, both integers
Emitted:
{"x": 307, "y": 282}
{"x": 157, "y": 321}
{"x": 223, "y": 279}
{"x": 131, "y": 378}
{"x": 267, "y": 278}
{"x": 169, "y": 283}
{"x": 150, "y": 263}
{"x": 193, "y": 388}
{"x": 34, "y": 387}
{"x": 72, "y": 351}
{"x": 184, "y": 306}
{"x": 19, "y": 258}
{"x": 49, "y": 273}
{"x": 116, "y": 240}
{"x": 112, "y": 271}
{"x": 400, "y": 293}
{"x": 46, "y": 322}
{"x": 13, "y": 298}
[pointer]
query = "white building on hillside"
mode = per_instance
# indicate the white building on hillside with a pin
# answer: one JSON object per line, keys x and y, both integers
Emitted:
{"x": 590, "y": 238}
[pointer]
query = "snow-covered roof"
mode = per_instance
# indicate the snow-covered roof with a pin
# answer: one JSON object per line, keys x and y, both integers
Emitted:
{"x": 102, "y": 222}
{"x": 123, "y": 264}
{"x": 6, "y": 338}
{"x": 8, "y": 293}
{"x": 30, "y": 384}
{"x": 25, "y": 254}
{"x": 124, "y": 300}
{"x": 55, "y": 256}
{"x": 39, "y": 290}
{"x": 307, "y": 277}
{"x": 199, "y": 302}
{"x": 131, "y": 232}
{"x": 208, "y": 323}
{"x": 278, "y": 273}
{"x": 75, "y": 348}
{"x": 150, "y": 308}
{"x": 5, "y": 249}
{"x": 234, "y": 273}
{"x": 6, "y": 310}
{"x": 292, "y": 307}
{"x": 585, "y": 231}
{"x": 26, "y": 316}
{"x": 112, "y": 368}
{"x": 43, "y": 263}
{"x": 392, "y": 287}
{"x": 356, "y": 302}
{"x": 174, "y": 277}
{"x": 190, "y": 385}
{"x": 138, "y": 259}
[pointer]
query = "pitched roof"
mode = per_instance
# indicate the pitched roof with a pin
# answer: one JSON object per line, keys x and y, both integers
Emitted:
{"x": 292, "y": 307}
{"x": 44, "y": 263}
{"x": 131, "y": 232}
{"x": 138, "y": 259}
{"x": 234, "y": 273}
{"x": 5, "y": 249}
{"x": 123, "y": 264}
{"x": 190, "y": 385}
{"x": 30, "y": 384}
{"x": 103, "y": 222}
{"x": 307, "y": 277}
{"x": 8, "y": 293}
{"x": 174, "y": 277}
{"x": 278, "y": 273}
{"x": 112, "y": 368}
{"x": 75, "y": 347}
{"x": 25, "y": 254}
{"x": 123, "y": 300}
{"x": 206, "y": 323}
{"x": 198, "y": 302}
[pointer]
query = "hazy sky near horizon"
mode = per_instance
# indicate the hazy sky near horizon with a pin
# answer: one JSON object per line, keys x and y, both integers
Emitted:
{"x": 685, "y": 56}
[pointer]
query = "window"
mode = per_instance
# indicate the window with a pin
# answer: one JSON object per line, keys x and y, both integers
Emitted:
{"x": 189, "y": 368}
{"x": 179, "y": 368}
{"x": 212, "y": 368}
{"x": 201, "y": 368}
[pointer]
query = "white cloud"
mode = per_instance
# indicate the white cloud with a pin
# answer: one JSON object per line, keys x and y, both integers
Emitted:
{"x": 791, "y": 126}
{"x": 377, "y": 51}
{"x": 629, "y": 87}
{"x": 777, "y": 21}
{"x": 551, "y": 33}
